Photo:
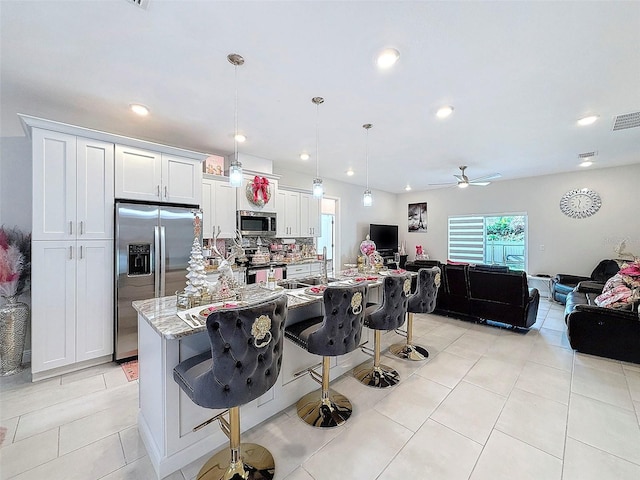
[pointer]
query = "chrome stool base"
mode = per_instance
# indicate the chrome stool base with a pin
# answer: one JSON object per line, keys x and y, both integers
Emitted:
{"x": 256, "y": 464}
{"x": 381, "y": 376}
{"x": 408, "y": 351}
{"x": 326, "y": 413}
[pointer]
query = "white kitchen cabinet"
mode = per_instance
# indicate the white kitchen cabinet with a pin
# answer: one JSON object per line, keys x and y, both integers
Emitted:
{"x": 73, "y": 187}
{"x": 72, "y": 303}
{"x": 288, "y": 211}
{"x": 218, "y": 208}
{"x": 309, "y": 216}
{"x": 156, "y": 177}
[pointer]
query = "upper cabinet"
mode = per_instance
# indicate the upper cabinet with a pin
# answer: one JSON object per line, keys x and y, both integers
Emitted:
{"x": 309, "y": 216}
{"x": 73, "y": 187}
{"x": 157, "y": 177}
{"x": 288, "y": 214}
{"x": 298, "y": 214}
{"x": 218, "y": 208}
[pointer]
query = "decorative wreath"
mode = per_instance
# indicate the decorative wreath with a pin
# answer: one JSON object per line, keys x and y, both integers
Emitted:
{"x": 259, "y": 192}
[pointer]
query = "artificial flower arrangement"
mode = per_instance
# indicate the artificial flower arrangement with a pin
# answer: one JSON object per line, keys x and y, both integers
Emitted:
{"x": 15, "y": 262}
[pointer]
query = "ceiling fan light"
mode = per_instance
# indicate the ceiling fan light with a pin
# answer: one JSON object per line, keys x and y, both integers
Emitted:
{"x": 463, "y": 185}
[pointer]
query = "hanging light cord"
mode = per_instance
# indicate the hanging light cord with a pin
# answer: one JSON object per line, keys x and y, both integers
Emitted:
{"x": 235, "y": 119}
{"x": 367, "y": 155}
{"x": 317, "y": 139}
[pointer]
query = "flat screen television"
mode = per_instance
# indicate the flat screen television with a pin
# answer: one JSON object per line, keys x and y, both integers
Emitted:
{"x": 384, "y": 236}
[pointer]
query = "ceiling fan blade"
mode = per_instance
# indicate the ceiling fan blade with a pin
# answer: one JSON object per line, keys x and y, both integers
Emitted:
{"x": 493, "y": 176}
{"x": 479, "y": 184}
{"x": 448, "y": 183}
{"x": 460, "y": 178}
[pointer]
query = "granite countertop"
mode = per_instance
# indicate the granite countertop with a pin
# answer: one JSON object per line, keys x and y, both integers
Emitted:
{"x": 162, "y": 313}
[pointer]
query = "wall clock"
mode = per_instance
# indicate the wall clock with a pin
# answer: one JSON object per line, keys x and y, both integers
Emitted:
{"x": 580, "y": 203}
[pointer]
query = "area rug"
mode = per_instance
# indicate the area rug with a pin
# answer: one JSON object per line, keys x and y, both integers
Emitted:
{"x": 130, "y": 370}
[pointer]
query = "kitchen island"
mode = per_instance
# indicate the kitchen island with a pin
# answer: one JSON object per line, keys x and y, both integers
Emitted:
{"x": 167, "y": 419}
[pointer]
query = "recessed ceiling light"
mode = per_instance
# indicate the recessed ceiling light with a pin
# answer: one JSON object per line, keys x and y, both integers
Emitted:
{"x": 388, "y": 57}
{"x": 407, "y": 188}
{"x": 304, "y": 156}
{"x": 591, "y": 119}
{"x": 350, "y": 172}
{"x": 586, "y": 163}
{"x": 240, "y": 138}
{"x": 444, "y": 112}
{"x": 139, "y": 109}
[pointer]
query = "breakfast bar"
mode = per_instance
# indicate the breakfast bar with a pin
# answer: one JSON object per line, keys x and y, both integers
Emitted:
{"x": 174, "y": 430}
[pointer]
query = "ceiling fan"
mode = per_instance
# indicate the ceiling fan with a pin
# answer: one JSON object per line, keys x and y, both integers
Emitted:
{"x": 464, "y": 182}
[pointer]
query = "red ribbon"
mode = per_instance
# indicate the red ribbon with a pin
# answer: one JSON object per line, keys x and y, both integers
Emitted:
{"x": 260, "y": 186}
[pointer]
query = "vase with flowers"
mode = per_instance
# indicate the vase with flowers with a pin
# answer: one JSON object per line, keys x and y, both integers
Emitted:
{"x": 15, "y": 274}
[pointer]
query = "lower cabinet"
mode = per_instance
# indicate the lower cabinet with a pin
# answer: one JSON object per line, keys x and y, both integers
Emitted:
{"x": 303, "y": 270}
{"x": 72, "y": 304}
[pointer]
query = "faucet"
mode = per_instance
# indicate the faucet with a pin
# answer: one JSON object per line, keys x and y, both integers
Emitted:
{"x": 325, "y": 276}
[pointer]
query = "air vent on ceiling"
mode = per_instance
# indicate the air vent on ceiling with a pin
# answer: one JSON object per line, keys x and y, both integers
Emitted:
{"x": 627, "y": 120}
{"x": 140, "y": 3}
{"x": 587, "y": 154}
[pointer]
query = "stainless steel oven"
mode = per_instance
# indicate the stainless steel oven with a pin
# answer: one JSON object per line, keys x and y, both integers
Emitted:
{"x": 256, "y": 224}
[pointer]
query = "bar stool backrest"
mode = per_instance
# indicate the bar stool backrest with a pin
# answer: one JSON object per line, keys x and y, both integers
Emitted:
{"x": 341, "y": 327}
{"x": 424, "y": 300}
{"x": 246, "y": 348}
{"x": 391, "y": 313}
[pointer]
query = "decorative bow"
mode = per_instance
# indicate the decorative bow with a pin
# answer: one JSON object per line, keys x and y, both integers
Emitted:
{"x": 260, "y": 186}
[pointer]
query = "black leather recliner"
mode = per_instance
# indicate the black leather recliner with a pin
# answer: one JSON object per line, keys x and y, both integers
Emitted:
{"x": 562, "y": 284}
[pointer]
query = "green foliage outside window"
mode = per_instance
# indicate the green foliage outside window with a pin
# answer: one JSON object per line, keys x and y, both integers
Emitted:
{"x": 506, "y": 228}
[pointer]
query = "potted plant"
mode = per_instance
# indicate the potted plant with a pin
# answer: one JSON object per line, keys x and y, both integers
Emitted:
{"x": 15, "y": 274}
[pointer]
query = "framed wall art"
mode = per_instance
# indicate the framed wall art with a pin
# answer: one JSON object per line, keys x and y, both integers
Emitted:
{"x": 213, "y": 165}
{"x": 417, "y": 217}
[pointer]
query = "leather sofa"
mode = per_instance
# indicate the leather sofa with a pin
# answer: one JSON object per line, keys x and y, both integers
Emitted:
{"x": 605, "y": 332}
{"x": 562, "y": 284}
{"x": 487, "y": 292}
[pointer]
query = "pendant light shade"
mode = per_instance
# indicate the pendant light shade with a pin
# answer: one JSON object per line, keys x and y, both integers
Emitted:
{"x": 367, "y": 197}
{"x": 235, "y": 169}
{"x": 318, "y": 189}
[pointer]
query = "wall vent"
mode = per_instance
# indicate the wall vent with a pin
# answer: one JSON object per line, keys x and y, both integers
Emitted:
{"x": 587, "y": 154}
{"x": 140, "y": 3}
{"x": 627, "y": 120}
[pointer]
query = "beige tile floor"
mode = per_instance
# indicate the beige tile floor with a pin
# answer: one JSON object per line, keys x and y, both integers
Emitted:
{"x": 489, "y": 403}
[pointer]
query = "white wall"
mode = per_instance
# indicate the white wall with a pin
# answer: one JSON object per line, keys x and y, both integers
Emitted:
{"x": 15, "y": 182}
{"x": 570, "y": 245}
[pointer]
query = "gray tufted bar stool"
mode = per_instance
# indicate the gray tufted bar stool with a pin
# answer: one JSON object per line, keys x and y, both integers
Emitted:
{"x": 243, "y": 363}
{"x": 335, "y": 333}
{"x": 422, "y": 301}
{"x": 388, "y": 315}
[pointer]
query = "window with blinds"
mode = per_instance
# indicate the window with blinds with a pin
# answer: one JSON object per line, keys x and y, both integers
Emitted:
{"x": 488, "y": 239}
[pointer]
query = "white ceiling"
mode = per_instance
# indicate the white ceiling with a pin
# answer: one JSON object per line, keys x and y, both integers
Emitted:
{"x": 518, "y": 73}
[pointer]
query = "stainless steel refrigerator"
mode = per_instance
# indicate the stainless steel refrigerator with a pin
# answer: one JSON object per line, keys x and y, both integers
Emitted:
{"x": 152, "y": 250}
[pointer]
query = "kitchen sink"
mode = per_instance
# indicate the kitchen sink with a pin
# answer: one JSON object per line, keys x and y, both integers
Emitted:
{"x": 314, "y": 280}
{"x": 292, "y": 284}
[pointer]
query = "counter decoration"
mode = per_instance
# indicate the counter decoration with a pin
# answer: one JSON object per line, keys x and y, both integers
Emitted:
{"x": 259, "y": 191}
{"x": 367, "y": 248}
{"x": 196, "y": 292}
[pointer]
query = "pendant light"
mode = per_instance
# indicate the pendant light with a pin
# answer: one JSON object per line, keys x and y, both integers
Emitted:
{"x": 235, "y": 169}
{"x": 367, "y": 198}
{"x": 318, "y": 189}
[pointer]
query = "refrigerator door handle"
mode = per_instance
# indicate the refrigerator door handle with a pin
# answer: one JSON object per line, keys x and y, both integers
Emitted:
{"x": 163, "y": 273}
{"x": 157, "y": 260}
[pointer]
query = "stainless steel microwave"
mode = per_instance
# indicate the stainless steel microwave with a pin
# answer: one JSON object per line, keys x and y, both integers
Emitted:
{"x": 256, "y": 224}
